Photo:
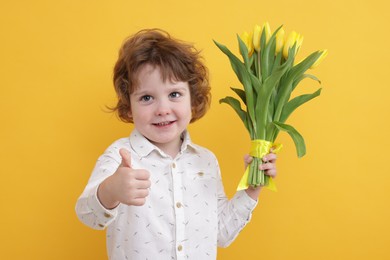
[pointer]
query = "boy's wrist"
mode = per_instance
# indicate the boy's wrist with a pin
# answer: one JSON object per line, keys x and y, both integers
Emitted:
{"x": 104, "y": 195}
{"x": 253, "y": 193}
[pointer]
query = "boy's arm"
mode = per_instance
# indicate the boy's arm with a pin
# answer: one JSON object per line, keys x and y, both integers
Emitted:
{"x": 234, "y": 214}
{"x": 89, "y": 209}
{"x": 111, "y": 183}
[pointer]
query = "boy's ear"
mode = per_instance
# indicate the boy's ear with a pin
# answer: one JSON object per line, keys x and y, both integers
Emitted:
{"x": 130, "y": 115}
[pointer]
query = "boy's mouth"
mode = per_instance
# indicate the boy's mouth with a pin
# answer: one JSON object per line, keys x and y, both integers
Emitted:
{"x": 165, "y": 123}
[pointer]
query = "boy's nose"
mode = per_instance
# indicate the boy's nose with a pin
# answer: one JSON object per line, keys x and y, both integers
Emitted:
{"x": 163, "y": 108}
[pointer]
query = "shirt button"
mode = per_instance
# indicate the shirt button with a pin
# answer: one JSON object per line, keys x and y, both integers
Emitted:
{"x": 100, "y": 225}
{"x": 178, "y": 205}
{"x": 179, "y": 248}
{"x": 173, "y": 165}
{"x": 107, "y": 215}
{"x": 200, "y": 174}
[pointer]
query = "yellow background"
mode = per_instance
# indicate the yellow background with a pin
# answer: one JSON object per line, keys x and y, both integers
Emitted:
{"x": 56, "y": 61}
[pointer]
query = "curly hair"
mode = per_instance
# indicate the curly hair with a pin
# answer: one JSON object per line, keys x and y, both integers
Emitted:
{"x": 177, "y": 60}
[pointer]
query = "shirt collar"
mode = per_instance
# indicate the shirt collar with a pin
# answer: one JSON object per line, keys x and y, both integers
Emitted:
{"x": 143, "y": 147}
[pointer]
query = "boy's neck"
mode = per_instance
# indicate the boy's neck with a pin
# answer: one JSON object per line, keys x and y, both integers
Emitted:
{"x": 171, "y": 149}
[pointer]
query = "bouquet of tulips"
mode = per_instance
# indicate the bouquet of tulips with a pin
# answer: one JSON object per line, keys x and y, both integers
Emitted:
{"x": 269, "y": 75}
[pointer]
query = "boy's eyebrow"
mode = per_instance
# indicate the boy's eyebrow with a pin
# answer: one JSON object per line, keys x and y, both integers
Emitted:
{"x": 140, "y": 92}
{"x": 170, "y": 88}
{"x": 182, "y": 88}
{"x": 179, "y": 84}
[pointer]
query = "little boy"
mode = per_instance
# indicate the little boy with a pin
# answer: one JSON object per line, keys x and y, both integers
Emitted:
{"x": 159, "y": 195}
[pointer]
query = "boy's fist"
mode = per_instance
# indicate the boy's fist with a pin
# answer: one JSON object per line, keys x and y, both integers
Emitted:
{"x": 127, "y": 185}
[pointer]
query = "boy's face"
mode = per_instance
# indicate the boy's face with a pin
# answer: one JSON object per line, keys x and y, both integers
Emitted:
{"x": 161, "y": 111}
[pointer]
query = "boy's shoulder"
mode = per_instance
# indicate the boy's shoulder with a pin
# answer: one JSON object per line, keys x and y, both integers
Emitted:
{"x": 118, "y": 144}
{"x": 203, "y": 150}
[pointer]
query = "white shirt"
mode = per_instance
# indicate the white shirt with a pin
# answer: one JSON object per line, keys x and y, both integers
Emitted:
{"x": 186, "y": 215}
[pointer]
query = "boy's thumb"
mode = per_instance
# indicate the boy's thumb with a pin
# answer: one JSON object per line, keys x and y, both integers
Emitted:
{"x": 126, "y": 158}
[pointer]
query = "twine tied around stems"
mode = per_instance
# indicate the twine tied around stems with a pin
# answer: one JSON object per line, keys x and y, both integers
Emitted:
{"x": 259, "y": 148}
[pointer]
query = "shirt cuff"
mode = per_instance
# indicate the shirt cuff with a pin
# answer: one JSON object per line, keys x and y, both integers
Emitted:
{"x": 103, "y": 216}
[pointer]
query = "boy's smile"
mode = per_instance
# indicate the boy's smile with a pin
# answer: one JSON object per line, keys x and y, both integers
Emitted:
{"x": 161, "y": 111}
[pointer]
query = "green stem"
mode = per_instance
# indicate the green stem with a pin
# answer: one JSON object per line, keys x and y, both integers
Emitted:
{"x": 259, "y": 67}
{"x": 256, "y": 177}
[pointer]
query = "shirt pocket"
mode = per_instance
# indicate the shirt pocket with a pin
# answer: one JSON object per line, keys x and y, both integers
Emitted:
{"x": 201, "y": 182}
{"x": 201, "y": 175}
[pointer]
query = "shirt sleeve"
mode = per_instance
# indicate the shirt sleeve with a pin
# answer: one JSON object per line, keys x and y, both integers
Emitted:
{"x": 233, "y": 215}
{"x": 88, "y": 207}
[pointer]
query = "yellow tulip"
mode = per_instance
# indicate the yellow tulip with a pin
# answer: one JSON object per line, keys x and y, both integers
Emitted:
{"x": 299, "y": 41}
{"x": 247, "y": 39}
{"x": 291, "y": 39}
{"x": 324, "y": 53}
{"x": 256, "y": 37}
{"x": 279, "y": 40}
{"x": 267, "y": 30}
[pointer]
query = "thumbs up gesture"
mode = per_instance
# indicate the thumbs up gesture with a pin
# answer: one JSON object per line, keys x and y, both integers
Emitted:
{"x": 127, "y": 185}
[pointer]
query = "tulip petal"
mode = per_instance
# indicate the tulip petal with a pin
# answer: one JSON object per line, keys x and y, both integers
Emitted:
{"x": 323, "y": 55}
{"x": 256, "y": 37}
{"x": 267, "y": 30}
{"x": 291, "y": 39}
{"x": 279, "y": 40}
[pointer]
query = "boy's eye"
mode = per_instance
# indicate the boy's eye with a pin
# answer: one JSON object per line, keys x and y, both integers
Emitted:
{"x": 174, "y": 95}
{"x": 146, "y": 98}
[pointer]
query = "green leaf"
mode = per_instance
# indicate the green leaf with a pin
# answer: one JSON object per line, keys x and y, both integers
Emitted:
{"x": 235, "y": 104}
{"x": 286, "y": 85}
{"x": 268, "y": 53}
{"x": 250, "y": 127}
{"x": 293, "y": 77}
{"x": 244, "y": 76}
{"x": 295, "y": 135}
{"x": 303, "y": 66}
{"x": 278, "y": 59}
{"x": 295, "y": 103}
{"x": 256, "y": 66}
{"x": 263, "y": 98}
{"x": 262, "y": 40}
{"x": 302, "y": 77}
{"x": 234, "y": 61}
{"x": 263, "y": 56}
{"x": 244, "y": 52}
{"x": 256, "y": 83}
{"x": 240, "y": 93}
{"x": 272, "y": 132}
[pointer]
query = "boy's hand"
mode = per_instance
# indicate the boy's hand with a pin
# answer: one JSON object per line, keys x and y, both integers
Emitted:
{"x": 269, "y": 164}
{"x": 127, "y": 185}
{"x": 269, "y": 167}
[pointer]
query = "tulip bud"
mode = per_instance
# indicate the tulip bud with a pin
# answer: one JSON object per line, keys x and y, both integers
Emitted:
{"x": 267, "y": 30}
{"x": 256, "y": 37}
{"x": 247, "y": 39}
{"x": 291, "y": 39}
{"x": 299, "y": 41}
{"x": 324, "y": 53}
{"x": 279, "y": 40}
